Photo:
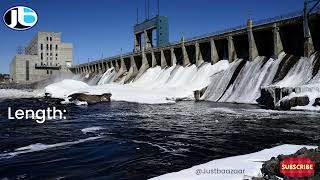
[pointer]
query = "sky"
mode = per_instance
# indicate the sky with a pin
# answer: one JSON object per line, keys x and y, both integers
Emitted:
{"x": 101, "y": 28}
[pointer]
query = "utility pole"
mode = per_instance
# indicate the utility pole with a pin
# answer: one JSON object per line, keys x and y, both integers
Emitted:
{"x": 148, "y": 9}
{"x": 249, "y": 14}
{"x": 158, "y": 7}
{"x": 137, "y": 15}
{"x": 145, "y": 9}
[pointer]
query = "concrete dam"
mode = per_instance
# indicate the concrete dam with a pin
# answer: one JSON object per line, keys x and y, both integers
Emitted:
{"x": 276, "y": 52}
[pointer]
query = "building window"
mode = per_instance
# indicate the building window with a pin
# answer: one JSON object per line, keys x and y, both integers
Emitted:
{"x": 56, "y": 54}
{"x": 50, "y": 46}
{"x": 57, "y": 59}
{"x": 56, "y": 47}
{"x": 50, "y": 38}
{"x": 50, "y": 54}
{"x": 41, "y": 56}
{"x": 27, "y": 71}
{"x": 47, "y": 46}
{"x": 41, "y": 46}
{"x": 47, "y": 38}
{"x": 47, "y": 71}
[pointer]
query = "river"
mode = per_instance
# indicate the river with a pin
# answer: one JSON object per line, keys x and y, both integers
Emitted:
{"x": 121, "y": 140}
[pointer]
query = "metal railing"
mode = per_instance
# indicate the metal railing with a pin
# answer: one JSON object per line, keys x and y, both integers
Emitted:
{"x": 47, "y": 66}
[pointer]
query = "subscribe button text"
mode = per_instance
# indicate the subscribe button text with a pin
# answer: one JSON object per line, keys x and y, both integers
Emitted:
{"x": 297, "y": 167}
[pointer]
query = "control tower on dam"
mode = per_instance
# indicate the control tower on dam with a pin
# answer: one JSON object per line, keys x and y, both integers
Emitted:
{"x": 296, "y": 33}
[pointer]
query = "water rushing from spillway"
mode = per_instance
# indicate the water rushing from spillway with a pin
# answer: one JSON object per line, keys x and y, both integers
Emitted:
{"x": 124, "y": 140}
{"x": 245, "y": 85}
{"x": 242, "y": 81}
{"x": 239, "y": 81}
{"x": 156, "y": 85}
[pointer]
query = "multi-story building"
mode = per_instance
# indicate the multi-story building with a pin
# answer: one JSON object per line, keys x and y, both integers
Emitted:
{"x": 44, "y": 56}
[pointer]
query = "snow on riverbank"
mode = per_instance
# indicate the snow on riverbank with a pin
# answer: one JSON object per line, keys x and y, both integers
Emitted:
{"x": 250, "y": 163}
{"x": 155, "y": 86}
{"x": 16, "y": 93}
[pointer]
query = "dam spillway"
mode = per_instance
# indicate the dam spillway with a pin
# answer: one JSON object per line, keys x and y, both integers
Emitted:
{"x": 261, "y": 62}
{"x": 262, "y": 38}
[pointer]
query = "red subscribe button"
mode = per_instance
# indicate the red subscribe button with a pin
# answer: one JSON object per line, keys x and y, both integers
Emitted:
{"x": 297, "y": 167}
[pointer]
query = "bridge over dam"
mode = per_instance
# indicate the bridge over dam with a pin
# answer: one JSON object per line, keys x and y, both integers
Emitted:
{"x": 294, "y": 34}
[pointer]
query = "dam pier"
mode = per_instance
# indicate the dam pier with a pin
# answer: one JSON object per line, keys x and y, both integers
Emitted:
{"x": 289, "y": 34}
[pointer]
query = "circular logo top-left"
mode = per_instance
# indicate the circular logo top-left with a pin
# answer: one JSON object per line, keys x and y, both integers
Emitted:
{"x": 20, "y": 18}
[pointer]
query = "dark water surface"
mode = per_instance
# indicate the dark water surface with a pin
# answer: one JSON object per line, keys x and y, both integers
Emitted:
{"x": 137, "y": 141}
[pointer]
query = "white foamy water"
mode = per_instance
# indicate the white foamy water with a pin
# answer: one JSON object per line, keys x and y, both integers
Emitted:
{"x": 40, "y": 147}
{"x": 250, "y": 163}
{"x": 219, "y": 83}
{"x": 246, "y": 87}
{"x": 300, "y": 74}
{"x": 260, "y": 73}
{"x": 223, "y": 110}
{"x": 108, "y": 77}
{"x": 155, "y": 86}
{"x": 300, "y": 77}
{"x": 91, "y": 129}
{"x": 65, "y": 87}
{"x": 95, "y": 79}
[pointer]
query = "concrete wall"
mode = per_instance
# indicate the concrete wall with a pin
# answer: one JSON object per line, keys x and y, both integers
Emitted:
{"x": 18, "y": 69}
{"x": 267, "y": 39}
{"x": 47, "y": 56}
{"x": 66, "y": 55}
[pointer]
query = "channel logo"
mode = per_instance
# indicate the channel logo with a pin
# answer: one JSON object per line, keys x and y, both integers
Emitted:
{"x": 20, "y": 18}
{"x": 297, "y": 167}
